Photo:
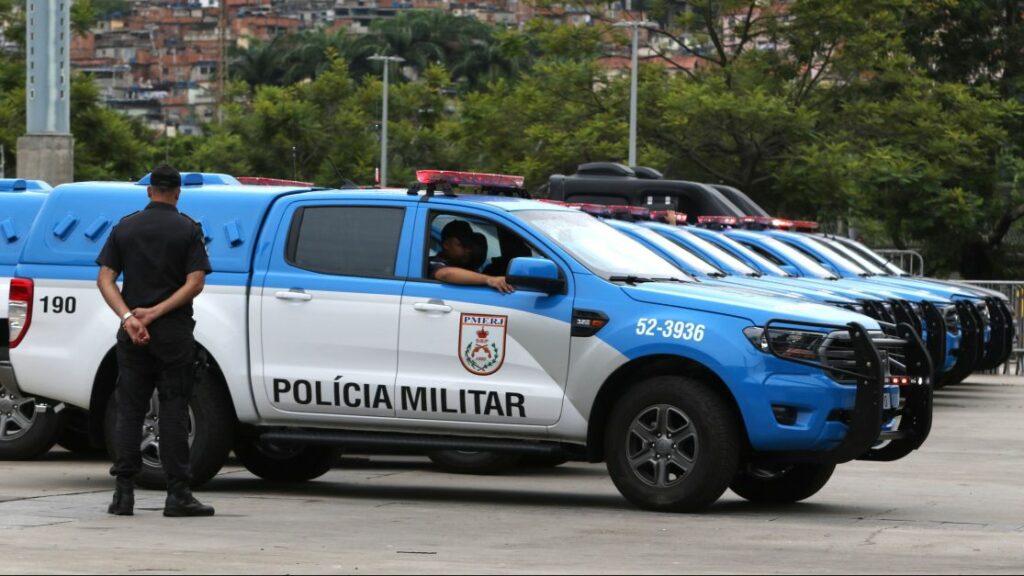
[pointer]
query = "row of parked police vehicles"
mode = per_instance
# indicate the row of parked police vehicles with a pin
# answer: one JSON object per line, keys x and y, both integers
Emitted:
{"x": 673, "y": 330}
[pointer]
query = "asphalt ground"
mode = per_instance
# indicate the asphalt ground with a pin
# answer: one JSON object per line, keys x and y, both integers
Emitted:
{"x": 955, "y": 506}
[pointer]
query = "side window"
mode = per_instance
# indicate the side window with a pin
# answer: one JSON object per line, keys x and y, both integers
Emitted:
{"x": 346, "y": 240}
{"x": 492, "y": 247}
{"x": 771, "y": 257}
{"x": 809, "y": 254}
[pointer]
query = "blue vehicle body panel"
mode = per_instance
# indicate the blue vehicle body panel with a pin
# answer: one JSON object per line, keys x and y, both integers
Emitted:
{"x": 18, "y": 209}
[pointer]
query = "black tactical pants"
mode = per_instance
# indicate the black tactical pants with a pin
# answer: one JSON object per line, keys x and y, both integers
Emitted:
{"x": 165, "y": 365}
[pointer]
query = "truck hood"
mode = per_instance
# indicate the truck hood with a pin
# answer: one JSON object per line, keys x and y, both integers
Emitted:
{"x": 890, "y": 291}
{"x": 743, "y": 303}
{"x": 793, "y": 286}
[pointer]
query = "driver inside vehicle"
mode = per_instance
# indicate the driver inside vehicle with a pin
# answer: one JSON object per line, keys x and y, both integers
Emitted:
{"x": 462, "y": 249}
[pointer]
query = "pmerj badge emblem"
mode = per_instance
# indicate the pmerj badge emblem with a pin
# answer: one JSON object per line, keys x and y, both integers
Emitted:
{"x": 482, "y": 342}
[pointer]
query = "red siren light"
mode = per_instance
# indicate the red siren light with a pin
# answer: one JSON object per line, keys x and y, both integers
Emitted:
{"x": 720, "y": 220}
{"x": 805, "y": 225}
{"x": 469, "y": 179}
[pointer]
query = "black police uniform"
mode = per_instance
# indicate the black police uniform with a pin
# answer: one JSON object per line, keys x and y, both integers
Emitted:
{"x": 156, "y": 249}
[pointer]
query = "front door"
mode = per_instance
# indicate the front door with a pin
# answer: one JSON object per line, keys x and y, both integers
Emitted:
{"x": 330, "y": 312}
{"x": 470, "y": 354}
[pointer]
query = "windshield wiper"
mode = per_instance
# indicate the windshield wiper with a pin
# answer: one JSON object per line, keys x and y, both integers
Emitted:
{"x": 754, "y": 274}
{"x": 630, "y": 279}
{"x": 717, "y": 274}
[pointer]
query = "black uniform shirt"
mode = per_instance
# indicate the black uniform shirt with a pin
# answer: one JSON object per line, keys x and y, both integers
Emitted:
{"x": 156, "y": 249}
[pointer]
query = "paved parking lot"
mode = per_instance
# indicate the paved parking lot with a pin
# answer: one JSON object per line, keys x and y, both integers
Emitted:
{"x": 955, "y": 506}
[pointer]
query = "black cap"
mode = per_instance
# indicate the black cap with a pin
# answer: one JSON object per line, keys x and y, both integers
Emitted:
{"x": 459, "y": 229}
{"x": 164, "y": 176}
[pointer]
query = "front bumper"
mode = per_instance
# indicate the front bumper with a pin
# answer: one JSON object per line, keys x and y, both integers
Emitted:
{"x": 876, "y": 363}
{"x": 1000, "y": 344}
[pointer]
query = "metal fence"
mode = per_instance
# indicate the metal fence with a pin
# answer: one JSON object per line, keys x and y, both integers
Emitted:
{"x": 1015, "y": 292}
{"x": 909, "y": 260}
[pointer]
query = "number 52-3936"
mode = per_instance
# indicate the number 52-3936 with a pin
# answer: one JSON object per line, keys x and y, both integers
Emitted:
{"x": 672, "y": 329}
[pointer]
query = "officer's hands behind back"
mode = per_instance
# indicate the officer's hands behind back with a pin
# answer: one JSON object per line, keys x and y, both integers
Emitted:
{"x": 136, "y": 331}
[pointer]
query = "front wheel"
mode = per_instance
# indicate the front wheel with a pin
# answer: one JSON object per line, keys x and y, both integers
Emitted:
{"x": 285, "y": 462}
{"x": 26, "y": 432}
{"x": 672, "y": 443}
{"x": 782, "y": 485}
{"x": 211, "y": 433}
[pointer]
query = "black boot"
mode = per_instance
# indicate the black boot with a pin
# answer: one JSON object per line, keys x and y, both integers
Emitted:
{"x": 124, "y": 498}
{"x": 181, "y": 502}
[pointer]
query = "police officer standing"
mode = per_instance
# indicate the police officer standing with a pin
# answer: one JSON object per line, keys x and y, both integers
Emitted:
{"x": 162, "y": 254}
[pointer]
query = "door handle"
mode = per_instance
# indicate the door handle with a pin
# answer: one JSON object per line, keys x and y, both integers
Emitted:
{"x": 432, "y": 307}
{"x": 293, "y": 295}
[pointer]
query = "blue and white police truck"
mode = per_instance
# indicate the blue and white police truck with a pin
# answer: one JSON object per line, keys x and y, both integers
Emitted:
{"x": 28, "y": 427}
{"x": 321, "y": 329}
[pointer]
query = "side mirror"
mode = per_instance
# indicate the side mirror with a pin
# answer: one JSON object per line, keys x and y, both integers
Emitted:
{"x": 535, "y": 273}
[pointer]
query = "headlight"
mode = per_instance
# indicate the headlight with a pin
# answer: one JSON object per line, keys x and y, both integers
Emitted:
{"x": 795, "y": 344}
{"x": 952, "y": 319}
{"x": 983, "y": 310}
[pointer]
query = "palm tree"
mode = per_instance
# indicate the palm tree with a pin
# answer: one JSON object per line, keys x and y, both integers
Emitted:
{"x": 261, "y": 63}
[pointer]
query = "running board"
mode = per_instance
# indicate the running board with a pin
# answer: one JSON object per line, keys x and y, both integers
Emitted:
{"x": 373, "y": 440}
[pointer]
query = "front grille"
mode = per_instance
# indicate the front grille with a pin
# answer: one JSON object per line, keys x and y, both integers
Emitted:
{"x": 838, "y": 353}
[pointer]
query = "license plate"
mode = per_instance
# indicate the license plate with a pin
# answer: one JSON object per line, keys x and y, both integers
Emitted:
{"x": 891, "y": 399}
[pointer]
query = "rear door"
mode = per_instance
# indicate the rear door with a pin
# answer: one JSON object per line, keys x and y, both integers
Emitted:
{"x": 330, "y": 302}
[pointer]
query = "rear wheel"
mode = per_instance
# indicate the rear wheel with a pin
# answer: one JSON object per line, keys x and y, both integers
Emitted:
{"x": 672, "y": 443}
{"x": 781, "y": 485}
{"x": 26, "y": 432}
{"x": 285, "y": 462}
{"x": 211, "y": 433}
{"x": 470, "y": 462}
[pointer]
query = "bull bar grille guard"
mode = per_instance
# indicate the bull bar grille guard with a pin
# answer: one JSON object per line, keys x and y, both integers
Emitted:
{"x": 865, "y": 438}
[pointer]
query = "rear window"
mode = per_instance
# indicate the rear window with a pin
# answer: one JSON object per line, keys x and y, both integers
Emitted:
{"x": 346, "y": 240}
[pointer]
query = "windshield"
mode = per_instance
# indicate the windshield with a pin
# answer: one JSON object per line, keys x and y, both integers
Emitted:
{"x": 688, "y": 260}
{"x": 871, "y": 255}
{"x": 851, "y": 255}
{"x": 842, "y": 263}
{"x": 603, "y": 250}
{"x": 731, "y": 263}
{"x": 796, "y": 258}
{"x": 749, "y": 255}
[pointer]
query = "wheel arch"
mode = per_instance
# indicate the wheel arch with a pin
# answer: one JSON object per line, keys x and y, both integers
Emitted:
{"x": 106, "y": 379}
{"x": 638, "y": 369}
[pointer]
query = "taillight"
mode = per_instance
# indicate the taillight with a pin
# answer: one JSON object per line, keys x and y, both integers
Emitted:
{"x": 19, "y": 309}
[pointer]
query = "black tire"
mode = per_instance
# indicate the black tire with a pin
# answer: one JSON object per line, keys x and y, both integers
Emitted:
{"x": 286, "y": 463}
{"x": 531, "y": 461}
{"x": 469, "y": 462}
{"x": 25, "y": 432}
{"x": 782, "y": 486}
{"x": 213, "y": 434}
{"x": 694, "y": 459}
{"x": 74, "y": 435}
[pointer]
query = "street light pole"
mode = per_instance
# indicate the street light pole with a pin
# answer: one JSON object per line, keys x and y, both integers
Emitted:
{"x": 387, "y": 60}
{"x": 634, "y": 81}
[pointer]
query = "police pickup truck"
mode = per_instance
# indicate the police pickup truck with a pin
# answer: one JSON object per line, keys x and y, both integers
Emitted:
{"x": 320, "y": 329}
